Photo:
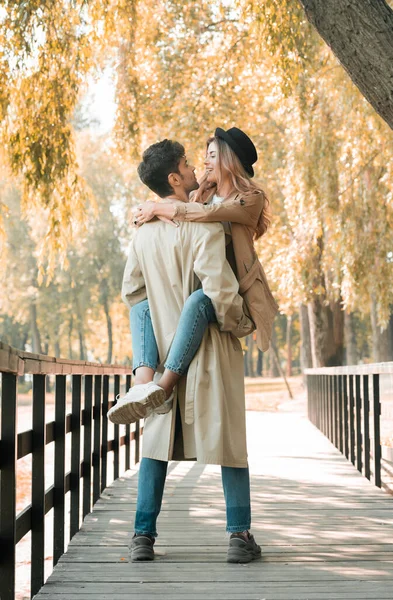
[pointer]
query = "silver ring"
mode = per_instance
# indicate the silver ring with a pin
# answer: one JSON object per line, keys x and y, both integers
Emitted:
{"x": 135, "y": 222}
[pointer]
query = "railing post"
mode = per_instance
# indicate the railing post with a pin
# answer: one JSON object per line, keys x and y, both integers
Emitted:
{"x": 331, "y": 413}
{"x": 346, "y": 429}
{"x": 352, "y": 418}
{"x": 137, "y": 441}
{"x": 75, "y": 453}
{"x": 128, "y": 431}
{"x": 104, "y": 442}
{"x": 87, "y": 415}
{"x": 116, "y": 442}
{"x": 377, "y": 436}
{"x": 366, "y": 427}
{"x": 324, "y": 405}
{"x": 59, "y": 486}
{"x": 359, "y": 445}
{"x": 335, "y": 411}
{"x": 340, "y": 413}
{"x": 8, "y": 485}
{"x": 38, "y": 485}
{"x": 97, "y": 437}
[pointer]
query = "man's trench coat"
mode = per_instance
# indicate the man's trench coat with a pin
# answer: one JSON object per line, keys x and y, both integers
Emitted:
{"x": 166, "y": 264}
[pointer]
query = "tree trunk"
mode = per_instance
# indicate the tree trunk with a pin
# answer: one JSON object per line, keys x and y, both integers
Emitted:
{"x": 245, "y": 361}
{"x": 305, "y": 349}
{"x": 260, "y": 363}
{"x": 390, "y": 336}
{"x": 289, "y": 346}
{"x": 318, "y": 327}
{"x": 109, "y": 330}
{"x": 327, "y": 333}
{"x": 380, "y": 336}
{"x": 359, "y": 32}
{"x": 35, "y": 332}
{"x": 70, "y": 353}
{"x": 334, "y": 357}
{"x": 82, "y": 353}
{"x": 274, "y": 372}
{"x": 351, "y": 355}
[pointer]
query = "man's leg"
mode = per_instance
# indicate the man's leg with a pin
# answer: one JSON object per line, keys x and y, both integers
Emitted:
{"x": 151, "y": 482}
{"x": 236, "y": 484}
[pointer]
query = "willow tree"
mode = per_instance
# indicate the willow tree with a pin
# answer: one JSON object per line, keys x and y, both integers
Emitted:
{"x": 183, "y": 68}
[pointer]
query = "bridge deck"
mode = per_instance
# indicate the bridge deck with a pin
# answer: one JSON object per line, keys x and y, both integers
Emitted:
{"x": 325, "y": 531}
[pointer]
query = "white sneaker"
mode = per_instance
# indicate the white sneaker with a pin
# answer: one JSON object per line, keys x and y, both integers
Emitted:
{"x": 137, "y": 403}
{"x": 163, "y": 409}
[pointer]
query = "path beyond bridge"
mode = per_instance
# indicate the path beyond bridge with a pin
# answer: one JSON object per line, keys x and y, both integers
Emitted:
{"x": 326, "y": 532}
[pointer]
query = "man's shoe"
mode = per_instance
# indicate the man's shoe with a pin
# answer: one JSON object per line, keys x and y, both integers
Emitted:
{"x": 138, "y": 403}
{"x": 141, "y": 547}
{"x": 243, "y": 548}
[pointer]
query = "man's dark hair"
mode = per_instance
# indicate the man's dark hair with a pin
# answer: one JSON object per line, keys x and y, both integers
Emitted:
{"x": 158, "y": 161}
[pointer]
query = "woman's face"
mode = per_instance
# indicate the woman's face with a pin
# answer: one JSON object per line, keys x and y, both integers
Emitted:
{"x": 211, "y": 163}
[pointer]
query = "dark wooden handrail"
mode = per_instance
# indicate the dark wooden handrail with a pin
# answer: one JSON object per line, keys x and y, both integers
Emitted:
{"x": 345, "y": 404}
{"x": 87, "y": 423}
{"x": 20, "y": 363}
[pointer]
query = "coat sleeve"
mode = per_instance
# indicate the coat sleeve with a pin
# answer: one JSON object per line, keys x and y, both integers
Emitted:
{"x": 243, "y": 209}
{"x": 133, "y": 288}
{"x": 218, "y": 280}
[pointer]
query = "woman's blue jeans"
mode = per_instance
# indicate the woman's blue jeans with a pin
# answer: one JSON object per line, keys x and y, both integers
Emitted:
{"x": 196, "y": 315}
{"x": 151, "y": 482}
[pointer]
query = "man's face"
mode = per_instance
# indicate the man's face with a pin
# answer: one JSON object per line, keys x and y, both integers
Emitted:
{"x": 187, "y": 173}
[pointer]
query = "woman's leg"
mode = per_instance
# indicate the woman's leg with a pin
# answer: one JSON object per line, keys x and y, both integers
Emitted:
{"x": 144, "y": 345}
{"x": 146, "y": 396}
{"x": 196, "y": 315}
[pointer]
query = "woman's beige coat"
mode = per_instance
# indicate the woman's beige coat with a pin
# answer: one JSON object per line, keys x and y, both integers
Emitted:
{"x": 166, "y": 264}
{"x": 243, "y": 211}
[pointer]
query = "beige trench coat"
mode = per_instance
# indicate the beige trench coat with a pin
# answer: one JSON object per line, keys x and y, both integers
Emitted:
{"x": 243, "y": 211}
{"x": 166, "y": 264}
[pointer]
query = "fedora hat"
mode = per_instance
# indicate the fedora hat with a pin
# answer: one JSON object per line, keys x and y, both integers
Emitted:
{"x": 242, "y": 146}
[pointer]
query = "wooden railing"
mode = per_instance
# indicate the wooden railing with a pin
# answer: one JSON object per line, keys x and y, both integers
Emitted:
{"x": 90, "y": 386}
{"x": 345, "y": 404}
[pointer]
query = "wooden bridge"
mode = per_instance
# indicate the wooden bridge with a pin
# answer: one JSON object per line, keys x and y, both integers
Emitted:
{"x": 326, "y": 531}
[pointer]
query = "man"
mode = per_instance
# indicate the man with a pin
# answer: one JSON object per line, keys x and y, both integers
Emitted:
{"x": 206, "y": 421}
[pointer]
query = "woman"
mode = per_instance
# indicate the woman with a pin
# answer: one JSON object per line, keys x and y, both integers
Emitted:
{"x": 227, "y": 194}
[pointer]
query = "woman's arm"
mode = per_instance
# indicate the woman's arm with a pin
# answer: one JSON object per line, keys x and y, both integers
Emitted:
{"x": 242, "y": 209}
{"x": 147, "y": 211}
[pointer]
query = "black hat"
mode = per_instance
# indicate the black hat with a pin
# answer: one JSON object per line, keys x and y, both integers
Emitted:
{"x": 241, "y": 145}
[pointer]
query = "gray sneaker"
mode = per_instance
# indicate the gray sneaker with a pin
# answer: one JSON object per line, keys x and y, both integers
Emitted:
{"x": 243, "y": 548}
{"x": 141, "y": 547}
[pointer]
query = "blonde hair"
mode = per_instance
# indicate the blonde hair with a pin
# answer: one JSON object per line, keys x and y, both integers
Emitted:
{"x": 229, "y": 163}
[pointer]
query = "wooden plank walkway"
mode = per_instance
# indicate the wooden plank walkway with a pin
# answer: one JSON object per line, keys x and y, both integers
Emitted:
{"x": 325, "y": 531}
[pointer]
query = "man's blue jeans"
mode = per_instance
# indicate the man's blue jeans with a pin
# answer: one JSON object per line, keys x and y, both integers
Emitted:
{"x": 196, "y": 315}
{"x": 151, "y": 482}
